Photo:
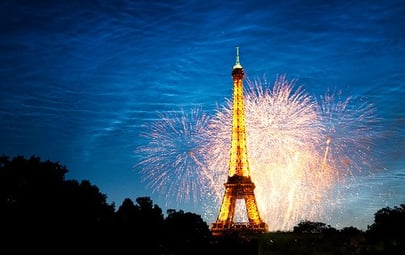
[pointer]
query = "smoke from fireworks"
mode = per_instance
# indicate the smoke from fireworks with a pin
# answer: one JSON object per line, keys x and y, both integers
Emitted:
{"x": 298, "y": 149}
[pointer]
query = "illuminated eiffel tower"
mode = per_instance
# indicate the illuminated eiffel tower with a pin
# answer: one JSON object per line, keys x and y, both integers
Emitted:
{"x": 239, "y": 184}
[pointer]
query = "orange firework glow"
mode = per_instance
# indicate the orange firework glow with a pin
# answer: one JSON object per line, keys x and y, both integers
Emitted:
{"x": 299, "y": 149}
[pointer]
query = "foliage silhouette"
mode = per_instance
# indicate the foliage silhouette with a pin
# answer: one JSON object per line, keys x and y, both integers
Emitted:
{"x": 386, "y": 234}
{"x": 307, "y": 226}
{"x": 139, "y": 225}
{"x": 37, "y": 205}
{"x": 187, "y": 233}
{"x": 41, "y": 210}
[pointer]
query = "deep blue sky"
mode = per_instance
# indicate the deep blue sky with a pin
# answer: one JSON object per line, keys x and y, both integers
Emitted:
{"x": 80, "y": 80}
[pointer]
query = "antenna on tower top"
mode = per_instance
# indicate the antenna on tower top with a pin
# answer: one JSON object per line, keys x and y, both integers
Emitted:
{"x": 237, "y": 64}
{"x": 237, "y": 55}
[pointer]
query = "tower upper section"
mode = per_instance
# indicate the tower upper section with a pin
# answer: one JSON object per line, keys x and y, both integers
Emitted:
{"x": 239, "y": 164}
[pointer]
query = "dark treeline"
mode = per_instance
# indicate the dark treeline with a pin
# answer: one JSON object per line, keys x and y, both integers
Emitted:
{"x": 41, "y": 211}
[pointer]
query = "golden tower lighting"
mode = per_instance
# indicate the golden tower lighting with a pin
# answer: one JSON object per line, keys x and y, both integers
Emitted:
{"x": 239, "y": 184}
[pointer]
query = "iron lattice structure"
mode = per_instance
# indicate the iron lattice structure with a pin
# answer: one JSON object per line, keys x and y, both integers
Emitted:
{"x": 239, "y": 184}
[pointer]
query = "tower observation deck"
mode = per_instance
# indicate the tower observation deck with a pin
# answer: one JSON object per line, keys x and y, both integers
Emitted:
{"x": 239, "y": 184}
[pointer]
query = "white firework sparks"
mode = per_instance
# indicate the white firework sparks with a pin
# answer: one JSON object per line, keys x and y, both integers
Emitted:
{"x": 174, "y": 165}
{"x": 283, "y": 132}
{"x": 351, "y": 127}
{"x": 298, "y": 150}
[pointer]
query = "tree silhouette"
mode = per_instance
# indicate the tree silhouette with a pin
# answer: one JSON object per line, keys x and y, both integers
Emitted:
{"x": 126, "y": 213}
{"x": 27, "y": 188}
{"x": 139, "y": 225}
{"x": 38, "y": 206}
{"x": 41, "y": 210}
{"x": 386, "y": 233}
{"x": 187, "y": 233}
{"x": 310, "y": 227}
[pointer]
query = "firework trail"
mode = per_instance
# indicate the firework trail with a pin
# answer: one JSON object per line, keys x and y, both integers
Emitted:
{"x": 298, "y": 149}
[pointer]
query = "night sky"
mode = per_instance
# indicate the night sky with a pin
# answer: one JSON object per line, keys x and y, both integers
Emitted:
{"x": 81, "y": 80}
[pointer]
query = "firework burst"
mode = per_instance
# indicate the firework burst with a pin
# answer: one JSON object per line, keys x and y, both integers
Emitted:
{"x": 283, "y": 133}
{"x": 174, "y": 165}
{"x": 298, "y": 150}
{"x": 350, "y": 129}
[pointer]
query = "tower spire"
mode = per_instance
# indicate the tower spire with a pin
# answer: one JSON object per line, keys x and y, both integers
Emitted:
{"x": 237, "y": 63}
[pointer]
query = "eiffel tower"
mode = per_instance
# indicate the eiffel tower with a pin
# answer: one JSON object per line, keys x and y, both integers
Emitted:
{"x": 239, "y": 184}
